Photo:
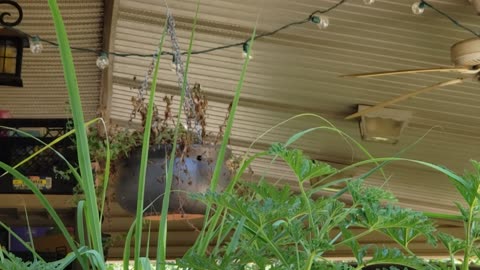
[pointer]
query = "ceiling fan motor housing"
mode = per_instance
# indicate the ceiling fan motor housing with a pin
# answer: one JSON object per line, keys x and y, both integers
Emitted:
{"x": 466, "y": 53}
{"x": 476, "y": 5}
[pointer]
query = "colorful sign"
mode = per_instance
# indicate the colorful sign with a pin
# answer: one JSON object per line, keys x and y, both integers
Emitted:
{"x": 43, "y": 183}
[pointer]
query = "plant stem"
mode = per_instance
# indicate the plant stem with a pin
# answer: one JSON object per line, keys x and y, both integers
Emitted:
{"x": 309, "y": 207}
{"x": 297, "y": 255}
{"x": 468, "y": 236}
{"x": 208, "y": 235}
{"x": 362, "y": 234}
{"x": 81, "y": 135}
{"x": 452, "y": 260}
{"x": 144, "y": 159}
{"x": 162, "y": 231}
{"x": 310, "y": 261}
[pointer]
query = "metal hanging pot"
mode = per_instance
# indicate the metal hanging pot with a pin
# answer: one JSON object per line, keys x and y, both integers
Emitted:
{"x": 192, "y": 174}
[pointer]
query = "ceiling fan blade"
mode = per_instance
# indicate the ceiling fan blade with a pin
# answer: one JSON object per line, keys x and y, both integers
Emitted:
{"x": 403, "y": 97}
{"x": 409, "y": 71}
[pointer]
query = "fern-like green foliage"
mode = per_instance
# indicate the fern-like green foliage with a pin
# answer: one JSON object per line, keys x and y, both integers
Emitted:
{"x": 453, "y": 244}
{"x": 468, "y": 186}
{"x": 326, "y": 265}
{"x": 303, "y": 167}
{"x": 393, "y": 256}
{"x": 11, "y": 262}
{"x": 402, "y": 225}
{"x": 362, "y": 194}
{"x": 270, "y": 226}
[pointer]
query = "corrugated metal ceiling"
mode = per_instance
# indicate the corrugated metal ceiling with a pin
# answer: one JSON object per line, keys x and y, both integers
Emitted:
{"x": 297, "y": 71}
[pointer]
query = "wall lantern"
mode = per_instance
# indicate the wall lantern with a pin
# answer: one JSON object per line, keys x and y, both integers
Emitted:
{"x": 385, "y": 125}
{"x": 11, "y": 47}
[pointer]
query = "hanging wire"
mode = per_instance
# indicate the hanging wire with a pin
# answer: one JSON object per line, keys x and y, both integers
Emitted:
{"x": 241, "y": 43}
{"x": 237, "y": 44}
{"x": 271, "y": 33}
{"x": 457, "y": 23}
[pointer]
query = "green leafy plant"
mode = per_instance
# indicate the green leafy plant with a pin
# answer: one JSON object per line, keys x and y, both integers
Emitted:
{"x": 9, "y": 261}
{"x": 468, "y": 187}
{"x": 276, "y": 227}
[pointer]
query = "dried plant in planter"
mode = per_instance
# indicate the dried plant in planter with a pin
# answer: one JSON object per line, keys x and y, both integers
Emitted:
{"x": 195, "y": 159}
{"x": 194, "y": 163}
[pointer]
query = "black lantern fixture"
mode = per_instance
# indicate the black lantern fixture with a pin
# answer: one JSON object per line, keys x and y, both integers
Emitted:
{"x": 11, "y": 47}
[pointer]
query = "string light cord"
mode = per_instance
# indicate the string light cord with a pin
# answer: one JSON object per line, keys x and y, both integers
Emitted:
{"x": 312, "y": 18}
{"x": 454, "y": 21}
{"x": 237, "y": 44}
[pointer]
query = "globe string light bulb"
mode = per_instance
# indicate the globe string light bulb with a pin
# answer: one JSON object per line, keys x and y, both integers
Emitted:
{"x": 246, "y": 47}
{"x": 36, "y": 45}
{"x": 321, "y": 21}
{"x": 102, "y": 61}
{"x": 418, "y": 8}
{"x": 368, "y": 2}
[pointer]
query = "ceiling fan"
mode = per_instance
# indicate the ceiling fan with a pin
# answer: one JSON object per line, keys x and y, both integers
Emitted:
{"x": 465, "y": 56}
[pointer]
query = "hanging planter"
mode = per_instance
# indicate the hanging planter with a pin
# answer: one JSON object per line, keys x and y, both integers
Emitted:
{"x": 192, "y": 174}
{"x": 194, "y": 163}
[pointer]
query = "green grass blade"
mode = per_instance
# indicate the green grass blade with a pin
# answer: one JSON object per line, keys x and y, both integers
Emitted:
{"x": 145, "y": 264}
{"x": 378, "y": 167}
{"x": 443, "y": 216}
{"x": 148, "y": 238}
{"x": 162, "y": 231}
{"x": 126, "y": 249}
{"x": 144, "y": 159}
{"x": 231, "y": 117}
{"x": 30, "y": 237}
{"x": 453, "y": 176}
{"x": 97, "y": 258}
{"x": 80, "y": 222}
{"x": 232, "y": 246}
{"x": 298, "y": 135}
{"x": 106, "y": 175}
{"x": 204, "y": 241}
{"x": 245, "y": 164}
{"x": 78, "y": 121}
{"x": 88, "y": 220}
{"x": 63, "y": 263}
